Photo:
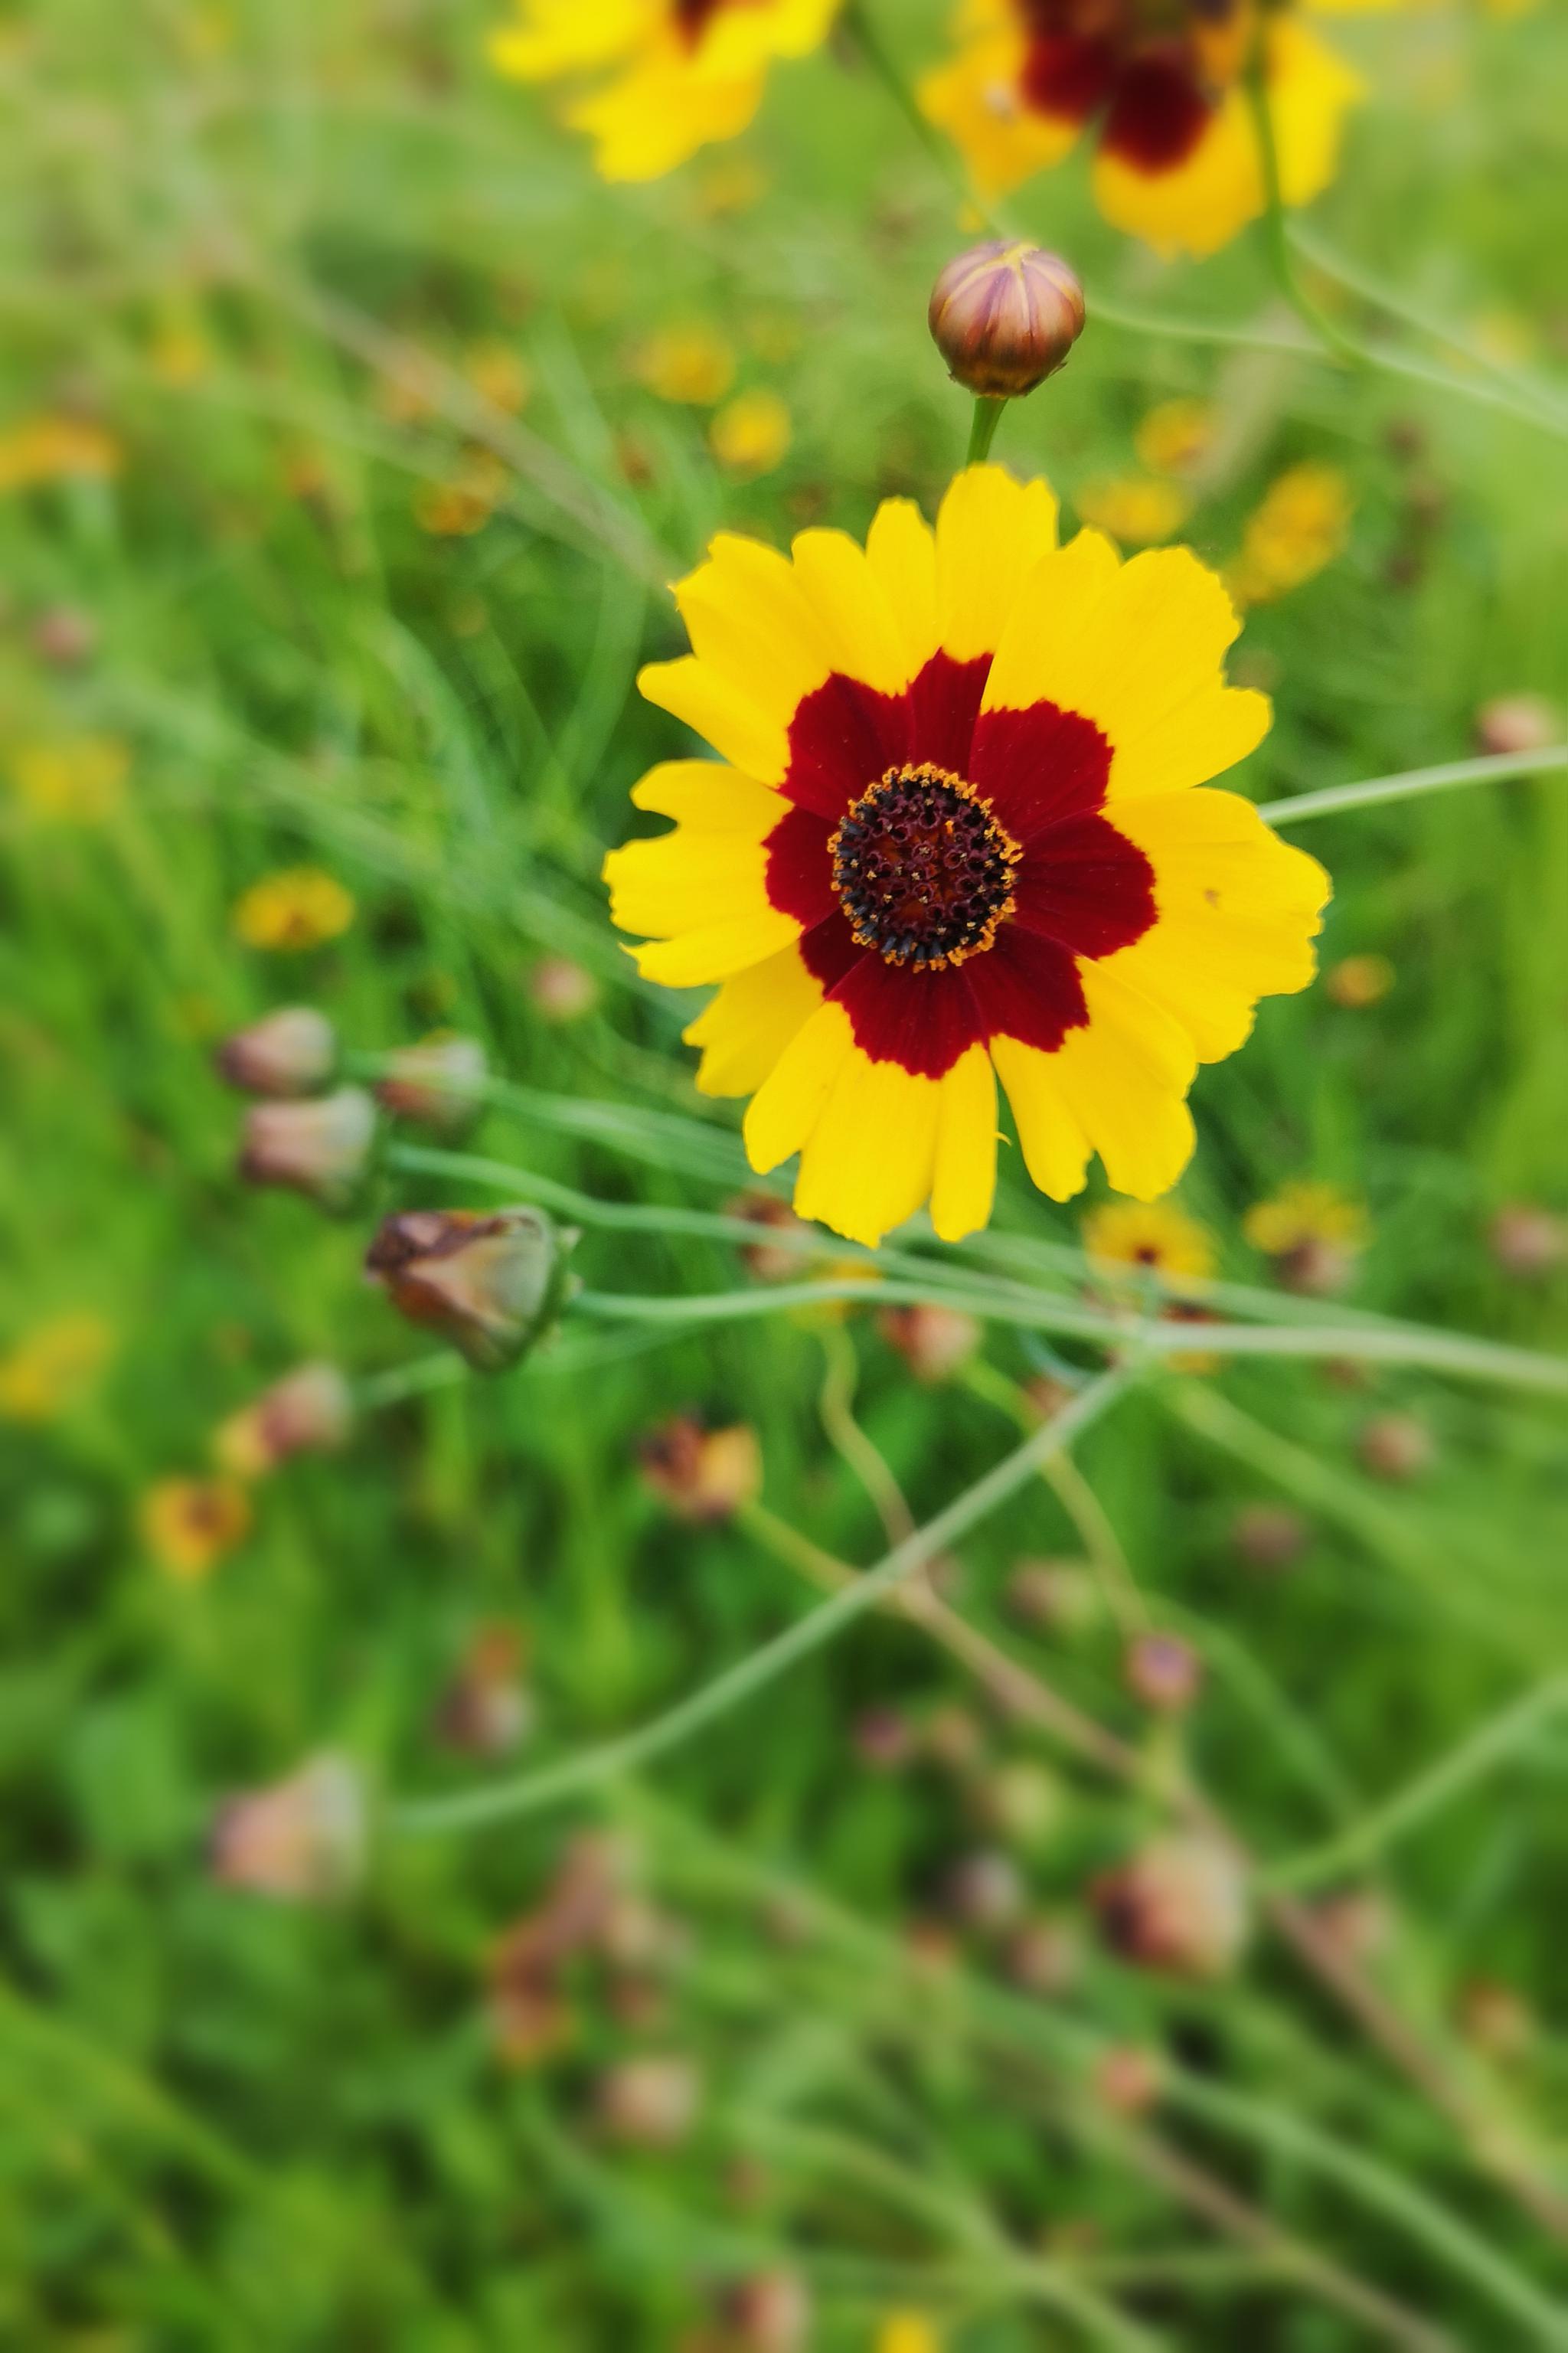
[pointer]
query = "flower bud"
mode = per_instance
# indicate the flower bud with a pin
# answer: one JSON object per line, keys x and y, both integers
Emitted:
{"x": 1043, "y": 1957}
{"x": 308, "y": 1411}
{"x": 649, "y": 2101}
{"x": 1055, "y": 1597}
{"x": 769, "y": 1261}
{"x": 486, "y": 1709}
{"x": 703, "y": 1474}
{"x": 1021, "y": 1802}
{"x": 302, "y": 1839}
{"x": 1127, "y": 2079}
{"x": 439, "y": 1083}
{"x": 1397, "y": 1446}
{"x": 1528, "y": 1243}
{"x": 770, "y": 2312}
{"x": 1270, "y": 1535}
{"x": 883, "y": 1740}
{"x": 985, "y": 1892}
{"x": 1181, "y": 1906}
{"x": 1518, "y": 723}
{"x": 323, "y": 1149}
{"x": 64, "y": 636}
{"x": 290, "y": 1053}
{"x": 1004, "y": 315}
{"x": 934, "y": 1341}
{"x": 1163, "y": 1672}
{"x": 490, "y": 1281}
{"x": 561, "y": 990}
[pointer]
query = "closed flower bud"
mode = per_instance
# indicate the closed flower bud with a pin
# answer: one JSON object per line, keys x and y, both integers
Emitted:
{"x": 1004, "y": 315}
{"x": 1397, "y": 1446}
{"x": 561, "y": 990}
{"x": 1528, "y": 1243}
{"x": 1127, "y": 2079}
{"x": 322, "y": 1148}
{"x": 649, "y": 2101}
{"x": 1163, "y": 1672}
{"x": 703, "y": 1474}
{"x": 1518, "y": 723}
{"x": 770, "y": 2312}
{"x": 1270, "y": 1535}
{"x": 1043, "y": 1957}
{"x": 934, "y": 1341}
{"x": 64, "y": 636}
{"x": 884, "y": 1739}
{"x": 774, "y": 1262}
{"x": 291, "y": 1052}
{"x": 1020, "y": 1801}
{"x": 486, "y": 1709}
{"x": 1180, "y": 1906}
{"x": 1056, "y": 1596}
{"x": 985, "y": 1892}
{"x": 490, "y": 1281}
{"x": 439, "y": 1083}
{"x": 309, "y": 1411}
{"x": 302, "y": 1839}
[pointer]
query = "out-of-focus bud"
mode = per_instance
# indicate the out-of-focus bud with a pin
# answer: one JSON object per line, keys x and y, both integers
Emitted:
{"x": 704, "y": 1475}
{"x": 953, "y": 1739}
{"x": 1496, "y": 2020}
{"x": 439, "y": 1083}
{"x": 985, "y": 1892}
{"x": 1181, "y": 1906}
{"x": 1269, "y": 1536}
{"x": 1518, "y": 723}
{"x": 1004, "y": 315}
{"x": 769, "y": 2313}
{"x": 530, "y": 2017}
{"x": 291, "y": 1052}
{"x": 302, "y": 1839}
{"x": 189, "y": 1525}
{"x": 883, "y": 1740}
{"x": 561, "y": 990}
{"x": 649, "y": 2101}
{"x": 1359, "y": 982}
{"x": 769, "y": 1261}
{"x": 64, "y": 636}
{"x": 309, "y": 1411}
{"x": 934, "y": 1341}
{"x": 1397, "y": 1446}
{"x": 1044, "y": 1957}
{"x": 492, "y": 1281}
{"x": 323, "y": 1148}
{"x": 1057, "y": 1597}
{"x": 1357, "y": 1925}
{"x": 486, "y": 1710}
{"x": 1127, "y": 2079}
{"x": 1163, "y": 1672}
{"x": 1528, "y": 1243}
{"x": 1021, "y": 1802}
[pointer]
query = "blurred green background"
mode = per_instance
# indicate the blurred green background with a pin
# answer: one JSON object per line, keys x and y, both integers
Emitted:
{"x": 337, "y": 491}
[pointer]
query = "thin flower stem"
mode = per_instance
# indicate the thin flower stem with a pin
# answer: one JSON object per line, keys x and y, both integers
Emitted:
{"x": 1275, "y": 230}
{"x": 1420, "y": 1799}
{"x": 1075, "y": 1497}
{"x": 983, "y": 431}
{"x": 837, "y": 1408}
{"x": 417, "y": 1378}
{"x": 614, "y": 1758}
{"x": 1495, "y": 768}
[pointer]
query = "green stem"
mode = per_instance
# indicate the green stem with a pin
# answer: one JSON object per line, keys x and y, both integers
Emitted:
{"x": 983, "y": 431}
{"x": 1276, "y": 227}
{"x": 1494, "y": 769}
{"x": 614, "y": 1758}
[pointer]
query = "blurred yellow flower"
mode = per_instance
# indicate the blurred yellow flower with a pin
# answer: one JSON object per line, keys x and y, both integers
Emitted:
{"x": 751, "y": 434}
{"x": 402, "y": 398}
{"x": 908, "y": 2332}
{"x": 1305, "y": 1212}
{"x": 51, "y": 1368}
{"x": 79, "y": 779}
{"x": 297, "y": 907}
{"x": 179, "y": 353}
{"x": 189, "y": 1525}
{"x": 499, "y": 374}
{"x": 1301, "y": 525}
{"x": 464, "y": 503}
{"x": 1138, "y": 510}
{"x": 57, "y": 449}
{"x": 1153, "y": 1234}
{"x": 1175, "y": 436}
{"x": 1357, "y": 982}
{"x": 693, "y": 365}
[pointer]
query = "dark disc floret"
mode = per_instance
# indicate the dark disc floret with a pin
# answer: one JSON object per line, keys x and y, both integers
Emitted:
{"x": 922, "y": 870}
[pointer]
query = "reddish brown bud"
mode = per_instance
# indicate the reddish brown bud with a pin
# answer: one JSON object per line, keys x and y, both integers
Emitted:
{"x": 439, "y": 1083}
{"x": 934, "y": 1341}
{"x": 64, "y": 636}
{"x": 768, "y": 2314}
{"x": 1127, "y": 2079}
{"x": 1043, "y": 1957}
{"x": 486, "y": 1710}
{"x": 770, "y": 1261}
{"x": 308, "y": 1411}
{"x": 492, "y": 1283}
{"x": 301, "y": 1840}
{"x": 1528, "y": 1243}
{"x": 1181, "y": 1906}
{"x": 1269, "y": 1536}
{"x": 562, "y": 990}
{"x": 1518, "y": 723}
{"x": 321, "y": 1148}
{"x": 1163, "y": 1672}
{"x": 1397, "y": 1446}
{"x": 1004, "y": 315}
{"x": 290, "y": 1053}
{"x": 703, "y": 1474}
{"x": 649, "y": 2101}
{"x": 883, "y": 1740}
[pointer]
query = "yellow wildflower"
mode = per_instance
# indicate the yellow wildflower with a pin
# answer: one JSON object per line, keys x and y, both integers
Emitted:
{"x": 499, "y": 374}
{"x": 908, "y": 2332}
{"x": 1175, "y": 436}
{"x": 1139, "y": 510}
{"x": 1359, "y": 981}
{"x": 57, "y": 449}
{"x": 297, "y": 907}
{"x": 189, "y": 1525}
{"x": 81, "y": 779}
{"x": 1153, "y": 1234}
{"x": 693, "y": 365}
{"x": 751, "y": 434}
{"x": 53, "y": 1368}
{"x": 1307, "y": 1210}
{"x": 464, "y": 503}
{"x": 1301, "y": 525}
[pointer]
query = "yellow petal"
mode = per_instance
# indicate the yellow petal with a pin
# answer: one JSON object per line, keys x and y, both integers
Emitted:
{"x": 1124, "y": 1079}
{"x": 750, "y": 1021}
{"x": 867, "y": 1163}
{"x": 990, "y": 533}
{"x": 752, "y": 621}
{"x": 716, "y": 951}
{"x": 785, "y": 1107}
{"x": 844, "y": 591}
{"x": 683, "y": 880}
{"x": 715, "y": 710}
{"x": 706, "y": 794}
{"x": 654, "y": 116}
{"x": 1056, "y": 1149}
{"x": 964, "y": 1181}
{"x": 901, "y": 548}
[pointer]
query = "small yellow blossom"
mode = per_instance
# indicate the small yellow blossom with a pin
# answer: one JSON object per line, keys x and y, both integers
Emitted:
{"x": 1305, "y": 1212}
{"x": 691, "y": 365}
{"x": 499, "y": 374}
{"x": 57, "y": 449}
{"x": 1153, "y": 1234}
{"x": 1357, "y": 982}
{"x": 81, "y": 779}
{"x": 1175, "y": 436}
{"x": 1138, "y": 510}
{"x": 464, "y": 503}
{"x": 180, "y": 352}
{"x": 908, "y": 2332}
{"x": 53, "y": 1368}
{"x": 751, "y": 434}
{"x": 297, "y": 907}
{"x": 1301, "y": 525}
{"x": 189, "y": 1525}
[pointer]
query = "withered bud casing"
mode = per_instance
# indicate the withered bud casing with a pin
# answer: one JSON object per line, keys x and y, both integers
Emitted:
{"x": 322, "y": 1148}
{"x": 293, "y": 1051}
{"x": 1004, "y": 315}
{"x": 310, "y": 1411}
{"x": 703, "y": 1474}
{"x": 300, "y": 1840}
{"x": 438, "y": 1083}
{"x": 490, "y": 1281}
{"x": 1180, "y": 1905}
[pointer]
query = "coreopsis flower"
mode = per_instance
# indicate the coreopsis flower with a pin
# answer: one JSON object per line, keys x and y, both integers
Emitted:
{"x": 76, "y": 780}
{"x": 463, "y": 502}
{"x": 664, "y": 77}
{"x": 934, "y": 1341}
{"x": 1160, "y": 89}
{"x": 1180, "y": 1905}
{"x": 957, "y": 833}
{"x": 309, "y": 1411}
{"x": 438, "y": 1083}
{"x": 297, "y": 908}
{"x": 1359, "y": 982}
{"x": 1301, "y": 525}
{"x": 1155, "y": 1236}
{"x": 492, "y": 1281}
{"x": 290, "y": 1053}
{"x": 57, "y": 449}
{"x": 54, "y": 1367}
{"x": 499, "y": 374}
{"x": 1175, "y": 436}
{"x": 750, "y": 435}
{"x": 189, "y": 1525}
{"x": 322, "y": 1148}
{"x": 690, "y": 366}
{"x": 300, "y": 1840}
{"x": 1136, "y": 509}
{"x": 1313, "y": 1233}
{"x": 704, "y": 1475}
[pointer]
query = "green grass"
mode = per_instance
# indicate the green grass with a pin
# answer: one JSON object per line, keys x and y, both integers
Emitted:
{"x": 226, "y": 2124}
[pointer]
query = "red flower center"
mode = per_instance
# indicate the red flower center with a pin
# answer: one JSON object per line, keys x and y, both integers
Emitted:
{"x": 922, "y": 870}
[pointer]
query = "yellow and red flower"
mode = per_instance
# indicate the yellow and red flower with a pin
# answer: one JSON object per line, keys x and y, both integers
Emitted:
{"x": 1177, "y": 157}
{"x": 957, "y": 832}
{"x": 664, "y": 77}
